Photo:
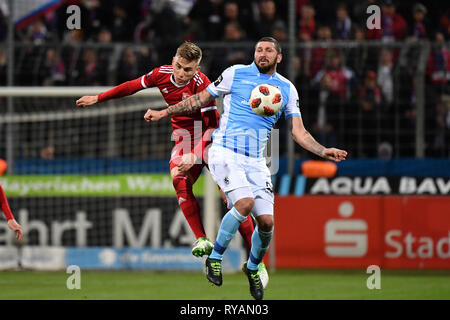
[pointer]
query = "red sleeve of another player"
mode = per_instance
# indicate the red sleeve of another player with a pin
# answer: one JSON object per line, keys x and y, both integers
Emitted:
{"x": 210, "y": 116}
{"x": 4, "y": 205}
{"x": 210, "y": 120}
{"x": 129, "y": 87}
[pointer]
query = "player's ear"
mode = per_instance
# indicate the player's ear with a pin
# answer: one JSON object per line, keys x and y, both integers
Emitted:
{"x": 197, "y": 69}
{"x": 279, "y": 57}
{"x": 173, "y": 61}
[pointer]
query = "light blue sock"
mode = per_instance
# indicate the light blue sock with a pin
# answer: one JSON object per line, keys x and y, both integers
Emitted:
{"x": 230, "y": 224}
{"x": 260, "y": 245}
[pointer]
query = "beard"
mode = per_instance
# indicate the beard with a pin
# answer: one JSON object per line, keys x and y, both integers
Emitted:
{"x": 266, "y": 68}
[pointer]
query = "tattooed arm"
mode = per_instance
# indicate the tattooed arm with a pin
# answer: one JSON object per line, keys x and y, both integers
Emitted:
{"x": 306, "y": 140}
{"x": 187, "y": 106}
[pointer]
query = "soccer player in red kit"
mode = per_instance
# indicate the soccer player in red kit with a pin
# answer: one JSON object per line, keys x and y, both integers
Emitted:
{"x": 12, "y": 223}
{"x": 177, "y": 82}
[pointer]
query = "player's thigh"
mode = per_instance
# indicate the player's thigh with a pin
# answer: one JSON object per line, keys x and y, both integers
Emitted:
{"x": 242, "y": 198}
{"x": 263, "y": 209}
{"x": 226, "y": 170}
{"x": 258, "y": 175}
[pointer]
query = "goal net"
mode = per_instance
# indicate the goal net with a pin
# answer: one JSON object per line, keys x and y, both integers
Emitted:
{"x": 95, "y": 177}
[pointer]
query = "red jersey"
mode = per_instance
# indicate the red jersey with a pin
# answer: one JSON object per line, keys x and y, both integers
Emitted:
{"x": 173, "y": 93}
{"x": 162, "y": 77}
{"x": 4, "y": 205}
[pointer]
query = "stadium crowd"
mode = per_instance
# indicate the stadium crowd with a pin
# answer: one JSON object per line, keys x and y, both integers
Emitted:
{"x": 360, "y": 94}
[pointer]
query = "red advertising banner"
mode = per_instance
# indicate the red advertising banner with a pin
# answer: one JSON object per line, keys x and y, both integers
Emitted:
{"x": 357, "y": 231}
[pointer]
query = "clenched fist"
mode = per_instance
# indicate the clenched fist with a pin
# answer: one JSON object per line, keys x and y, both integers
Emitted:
{"x": 154, "y": 115}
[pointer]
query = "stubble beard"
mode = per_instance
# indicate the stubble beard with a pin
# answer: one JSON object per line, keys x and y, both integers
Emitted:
{"x": 267, "y": 68}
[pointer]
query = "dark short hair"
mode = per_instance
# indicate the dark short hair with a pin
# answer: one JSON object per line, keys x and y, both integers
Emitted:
{"x": 270, "y": 39}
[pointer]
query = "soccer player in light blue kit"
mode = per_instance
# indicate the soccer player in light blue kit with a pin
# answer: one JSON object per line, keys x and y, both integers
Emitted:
{"x": 236, "y": 158}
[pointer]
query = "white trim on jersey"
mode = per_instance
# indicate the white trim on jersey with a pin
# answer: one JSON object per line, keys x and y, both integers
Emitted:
{"x": 143, "y": 82}
{"x": 198, "y": 80}
{"x": 208, "y": 108}
{"x": 178, "y": 85}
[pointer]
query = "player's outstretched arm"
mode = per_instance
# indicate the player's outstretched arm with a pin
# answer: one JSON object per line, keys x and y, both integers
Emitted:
{"x": 122, "y": 90}
{"x": 12, "y": 223}
{"x": 187, "y": 106}
{"x": 306, "y": 140}
{"x": 86, "y": 101}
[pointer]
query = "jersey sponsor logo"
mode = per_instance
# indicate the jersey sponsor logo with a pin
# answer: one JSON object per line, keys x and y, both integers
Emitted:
{"x": 226, "y": 180}
{"x": 218, "y": 81}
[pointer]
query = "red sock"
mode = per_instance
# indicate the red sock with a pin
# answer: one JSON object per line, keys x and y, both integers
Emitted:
{"x": 189, "y": 205}
{"x": 246, "y": 230}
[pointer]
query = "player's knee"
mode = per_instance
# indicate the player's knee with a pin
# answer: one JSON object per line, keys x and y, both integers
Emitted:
{"x": 265, "y": 222}
{"x": 244, "y": 206}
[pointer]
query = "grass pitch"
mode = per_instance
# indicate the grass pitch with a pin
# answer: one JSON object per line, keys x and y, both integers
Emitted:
{"x": 283, "y": 285}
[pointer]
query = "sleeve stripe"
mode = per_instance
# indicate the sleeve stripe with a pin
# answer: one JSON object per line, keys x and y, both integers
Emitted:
{"x": 211, "y": 91}
{"x": 143, "y": 82}
{"x": 292, "y": 115}
{"x": 208, "y": 108}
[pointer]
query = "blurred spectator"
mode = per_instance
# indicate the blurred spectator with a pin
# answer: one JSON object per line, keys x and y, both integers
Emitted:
{"x": 53, "y": 71}
{"x": 125, "y": 17}
{"x": 104, "y": 54}
{"x": 393, "y": 25}
{"x": 144, "y": 30}
{"x": 445, "y": 21}
{"x": 441, "y": 140}
{"x": 343, "y": 26}
{"x": 419, "y": 28}
{"x": 233, "y": 53}
{"x": 37, "y": 33}
{"x": 385, "y": 151}
{"x": 95, "y": 16}
{"x": 316, "y": 57}
{"x": 360, "y": 58}
{"x": 147, "y": 58}
{"x": 385, "y": 77}
{"x": 88, "y": 73}
{"x": 169, "y": 33}
{"x": 128, "y": 68}
{"x": 307, "y": 24}
{"x": 279, "y": 32}
{"x": 3, "y": 22}
{"x": 268, "y": 19}
{"x": 335, "y": 78}
{"x": 369, "y": 121}
{"x": 232, "y": 13}
{"x": 207, "y": 16}
{"x": 438, "y": 66}
{"x": 70, "y": 53}
{"x": 335, "y": 83}
{"x": 3, "y": 67}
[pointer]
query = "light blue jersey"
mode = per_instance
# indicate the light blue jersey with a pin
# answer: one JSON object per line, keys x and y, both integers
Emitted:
{"x": 240, "y": 129}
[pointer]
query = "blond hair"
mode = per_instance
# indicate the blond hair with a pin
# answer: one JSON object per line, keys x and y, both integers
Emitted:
{"x": 190, "y": 52}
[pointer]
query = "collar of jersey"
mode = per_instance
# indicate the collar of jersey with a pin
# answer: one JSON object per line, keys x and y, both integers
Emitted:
{"x": 253, "y": 65}
{"x": 178, "y": 85}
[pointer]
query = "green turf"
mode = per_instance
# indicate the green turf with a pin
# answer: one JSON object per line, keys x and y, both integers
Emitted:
{"x": 284, "y": 284}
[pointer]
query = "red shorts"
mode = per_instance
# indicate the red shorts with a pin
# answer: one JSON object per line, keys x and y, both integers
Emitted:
{"x": 177, "y": 154}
